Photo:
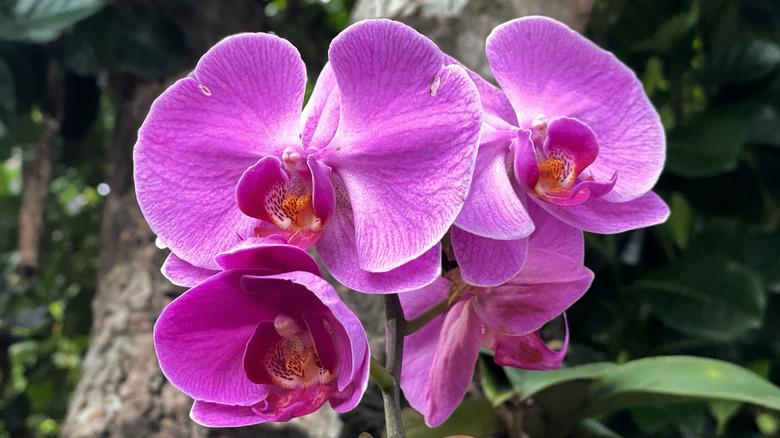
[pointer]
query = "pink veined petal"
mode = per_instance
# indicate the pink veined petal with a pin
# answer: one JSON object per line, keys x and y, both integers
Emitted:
{"x": 274, "y": 257}
{"x": 339, "y": 254}
{"x": 184, "y": 274}
{"x": 602, "y": 216}
{"x": 453, "y": 362}
{"x": 406, "y": 142}
{"x": 581, "y": 192}
{"x": 332, "y": 345}
{"x": 548, "y": 284}
{"x": 530, "y": 352}
{"x": 261, "y": 180}
{"x": 546, "y": 68}
{"x": 220, "y": 415}
{"x": 487, "y": 262}
{"x": 241, "y": 102}
{"x": 286, "y": 405}
{"x": 323, "y": 193}
{"x": 492, "y": 208}
{"x": 525, "y": 166}
{"x": 555, "y": 236}
{"x": 320, "y": 116}
{"x": 420, "y": 346}
{"x": 574, "y": 140}
{"x": 349, "y": 397}
{"x": 200, "y": 339}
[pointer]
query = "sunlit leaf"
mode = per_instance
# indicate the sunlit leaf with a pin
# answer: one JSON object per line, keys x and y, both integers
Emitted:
{"x": 41, "y": 21}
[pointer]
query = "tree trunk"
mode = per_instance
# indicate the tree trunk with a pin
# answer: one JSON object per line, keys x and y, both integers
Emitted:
{"x": 460, "y": 27}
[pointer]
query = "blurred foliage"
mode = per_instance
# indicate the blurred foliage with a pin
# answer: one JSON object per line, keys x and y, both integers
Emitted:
{"x": 705, "y": 284}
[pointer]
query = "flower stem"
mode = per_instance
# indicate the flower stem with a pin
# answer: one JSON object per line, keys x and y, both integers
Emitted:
{"x": 394, "y": 346}
{"x": 380, "y": 376}
{"x": 424, "y": 318}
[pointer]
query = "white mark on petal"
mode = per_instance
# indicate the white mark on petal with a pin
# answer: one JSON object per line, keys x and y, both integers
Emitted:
{"x": 204, "y": 89}
{"x": 435, "y": 85}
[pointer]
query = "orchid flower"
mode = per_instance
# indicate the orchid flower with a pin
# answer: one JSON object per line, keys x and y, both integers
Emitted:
{"x": 265, "y": 339}
{"x": 570, "y": 131}
{"x": 373, "y": 171}
{"x": 439, "y": 359}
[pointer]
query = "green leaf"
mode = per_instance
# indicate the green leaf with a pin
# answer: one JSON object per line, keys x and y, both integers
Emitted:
{"x": 494, "y": 382}
{"x": 672, "y": 33}
{"x": 41, "y": 21}
{"x": 148, "y": 46}
{"x": 474, "y": 417}
{"x": 529, "y": 383}
{"x": 670, "y": 379}
{"x": 687, "y": 296}
{"x": 708, "y": 145}
{"x": 741, "y": 61}
{"x": 680, "y": 222}
{"x": 590, "y": 428}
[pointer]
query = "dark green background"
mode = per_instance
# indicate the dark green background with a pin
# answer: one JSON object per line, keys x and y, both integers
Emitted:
{"x": 706, "y": 283}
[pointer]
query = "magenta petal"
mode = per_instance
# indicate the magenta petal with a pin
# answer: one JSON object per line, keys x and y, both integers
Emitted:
{"x": 200, "y": 340}
{"x": 574, "y": 140}
{"x": 601, "y": 216}
{"x": 530, "y": 352}
{"x": 548, "y": 284}
{"x": 257, "y": 183}
{"x": 407, "y": 140}
{"x": 323, "y": 193}
{"x": 487, "y": 262}
{"x": 275, "y": 257}
{"x": 546, "y": 68}
{"x": 184, "y": 274}
{"x": 219, "y": 415}
{"x": 339, "y": 254}
{"x": 526, "y": 166}
{"x": 320, "y": 117}
{"x": 420, "y": 347}
{"x": 555, "y": 236}
{"x": 492, "y": 208}
{"x": 325, "y": 342}
{"x": 242, "y": 102}
{"x": 347, "y": 398}
{"x": 453, "y": 363}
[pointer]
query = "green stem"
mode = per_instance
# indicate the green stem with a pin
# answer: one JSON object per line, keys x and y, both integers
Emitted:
{"x": 424, "y": 318}
{"x": 380, "y": 376}
{"x": 394, "y": 346}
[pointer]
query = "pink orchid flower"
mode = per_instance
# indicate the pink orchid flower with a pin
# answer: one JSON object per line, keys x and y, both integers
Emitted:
{"x": 571, "y": 132}
{"x": 439, "y": 359}
{"x": 373, "y": 171}
{"x": 265, "y": 339}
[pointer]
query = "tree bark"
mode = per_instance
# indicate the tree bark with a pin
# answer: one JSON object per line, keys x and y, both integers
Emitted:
{"x": 460, "y": 27}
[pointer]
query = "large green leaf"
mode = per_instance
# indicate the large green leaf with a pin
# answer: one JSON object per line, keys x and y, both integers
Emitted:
{"x": 669, "y": 379}
{"x": 708, "y": 145}
{"x": 704, "y": 294}
{"x": 41, "y": 21}
{"x": 494, "y": 382}
{"x": 742, "y": 61}
{"x": 529, "y": 383}
{"x": 474, "y": 417}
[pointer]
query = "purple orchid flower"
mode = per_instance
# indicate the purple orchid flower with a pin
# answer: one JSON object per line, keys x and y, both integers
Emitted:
{"x": 571, "y": 132}
{"x": 438, "y": 361}
{"x": 373, "y": 171}
{"x": 266, "y": 339}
